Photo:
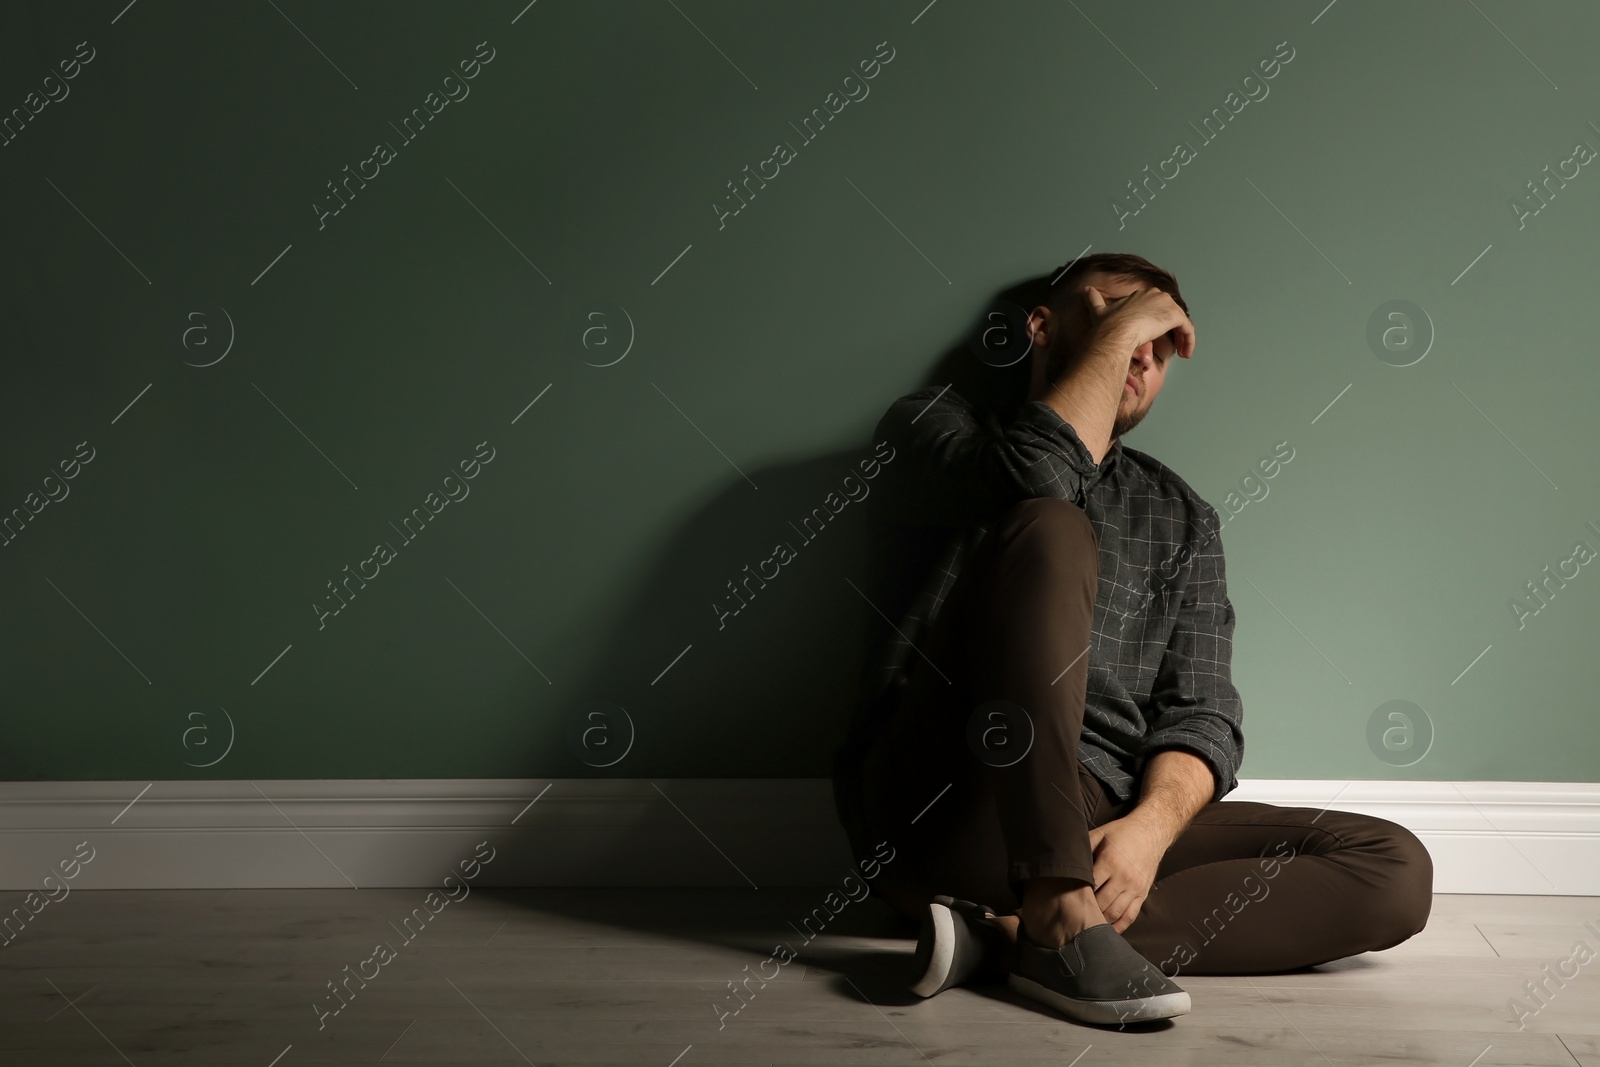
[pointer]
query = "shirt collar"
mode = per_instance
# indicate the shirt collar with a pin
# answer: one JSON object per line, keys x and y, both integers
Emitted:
{"x": 1109, "y": 461}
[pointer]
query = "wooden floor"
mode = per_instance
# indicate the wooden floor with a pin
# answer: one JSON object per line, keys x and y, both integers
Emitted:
{"x": 549, "y": 977}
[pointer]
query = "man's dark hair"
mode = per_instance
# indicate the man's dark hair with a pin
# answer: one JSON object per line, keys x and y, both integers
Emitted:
{"x": 1057, "y": 292}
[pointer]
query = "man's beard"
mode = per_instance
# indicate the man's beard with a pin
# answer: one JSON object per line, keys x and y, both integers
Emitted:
{"x": 1125, "y": 422}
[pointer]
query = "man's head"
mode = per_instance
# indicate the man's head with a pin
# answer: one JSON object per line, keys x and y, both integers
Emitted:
{"x": 1062, "y": 324}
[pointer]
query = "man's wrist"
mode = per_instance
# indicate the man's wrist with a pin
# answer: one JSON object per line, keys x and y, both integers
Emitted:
{"x": 1176, "y": 784}
{"x": 1163, "y": 825}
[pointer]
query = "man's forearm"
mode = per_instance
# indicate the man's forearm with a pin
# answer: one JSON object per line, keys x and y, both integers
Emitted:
{"x": 1175, "y": 786}
{"x": 1087, "y": 392}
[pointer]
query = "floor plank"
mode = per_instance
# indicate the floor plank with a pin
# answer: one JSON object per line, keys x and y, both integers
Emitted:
{"x": 599, "y": 977}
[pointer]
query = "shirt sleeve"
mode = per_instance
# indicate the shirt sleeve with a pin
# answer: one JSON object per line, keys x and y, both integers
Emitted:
{"x": 954, "y": 465}
{"x": 1194, "y": 705}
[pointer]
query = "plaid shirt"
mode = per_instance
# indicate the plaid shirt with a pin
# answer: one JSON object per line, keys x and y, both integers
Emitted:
{"x": 1159, "y": 660}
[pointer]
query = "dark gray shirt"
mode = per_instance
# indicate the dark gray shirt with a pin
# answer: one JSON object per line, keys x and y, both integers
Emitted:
{"x": 1160, "y": 657}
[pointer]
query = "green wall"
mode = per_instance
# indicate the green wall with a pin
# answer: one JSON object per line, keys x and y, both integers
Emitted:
{"x": 168, "y": 204}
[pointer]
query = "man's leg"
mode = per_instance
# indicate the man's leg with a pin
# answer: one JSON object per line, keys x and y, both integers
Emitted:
{"x": 1015, "y": 836}
{"x": 978, "y": 818}
{"x": 1004, "y": 726}
{"x": 1253, "y": 888}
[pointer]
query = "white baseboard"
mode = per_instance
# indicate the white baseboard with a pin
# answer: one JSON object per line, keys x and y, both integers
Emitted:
{"x": 1485, "y": 837}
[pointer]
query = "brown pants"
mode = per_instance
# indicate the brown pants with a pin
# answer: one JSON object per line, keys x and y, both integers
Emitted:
{"x": 1247, "y": 888}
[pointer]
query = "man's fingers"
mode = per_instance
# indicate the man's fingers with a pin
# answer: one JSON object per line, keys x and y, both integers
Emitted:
{"x": 1118, "y": 909}
{"x": 1103, "y": 876}
{"x": 1113, "y": 890}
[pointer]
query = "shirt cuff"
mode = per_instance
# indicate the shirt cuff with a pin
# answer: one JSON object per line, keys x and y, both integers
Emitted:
{"x": 1044, "y": 419}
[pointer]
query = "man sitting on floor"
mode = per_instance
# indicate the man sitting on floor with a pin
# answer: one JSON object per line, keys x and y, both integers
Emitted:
{"x": 1053, "y": 725}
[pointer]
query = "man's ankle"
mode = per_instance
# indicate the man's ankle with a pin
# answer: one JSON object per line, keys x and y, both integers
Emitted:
{"x": 1055, "y": 910}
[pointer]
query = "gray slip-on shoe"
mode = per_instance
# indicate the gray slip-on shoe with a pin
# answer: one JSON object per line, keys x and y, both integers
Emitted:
{"x": 1097, "y": 977}
{"x": 958, "y": 943}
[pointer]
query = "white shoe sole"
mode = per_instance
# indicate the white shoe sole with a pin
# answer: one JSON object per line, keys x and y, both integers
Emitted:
{"x": 944, "y": 952}
{"x": 1134, "y": 1010}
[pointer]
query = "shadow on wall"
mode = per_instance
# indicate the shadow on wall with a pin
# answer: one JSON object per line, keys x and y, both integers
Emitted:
{"x": 741, "y": 653}
{"x": 765, "y": 689}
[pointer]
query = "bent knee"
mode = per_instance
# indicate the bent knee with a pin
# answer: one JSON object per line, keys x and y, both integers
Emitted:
{"x": 1405, "y": 897}
{"x": 1055, "y": 521}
